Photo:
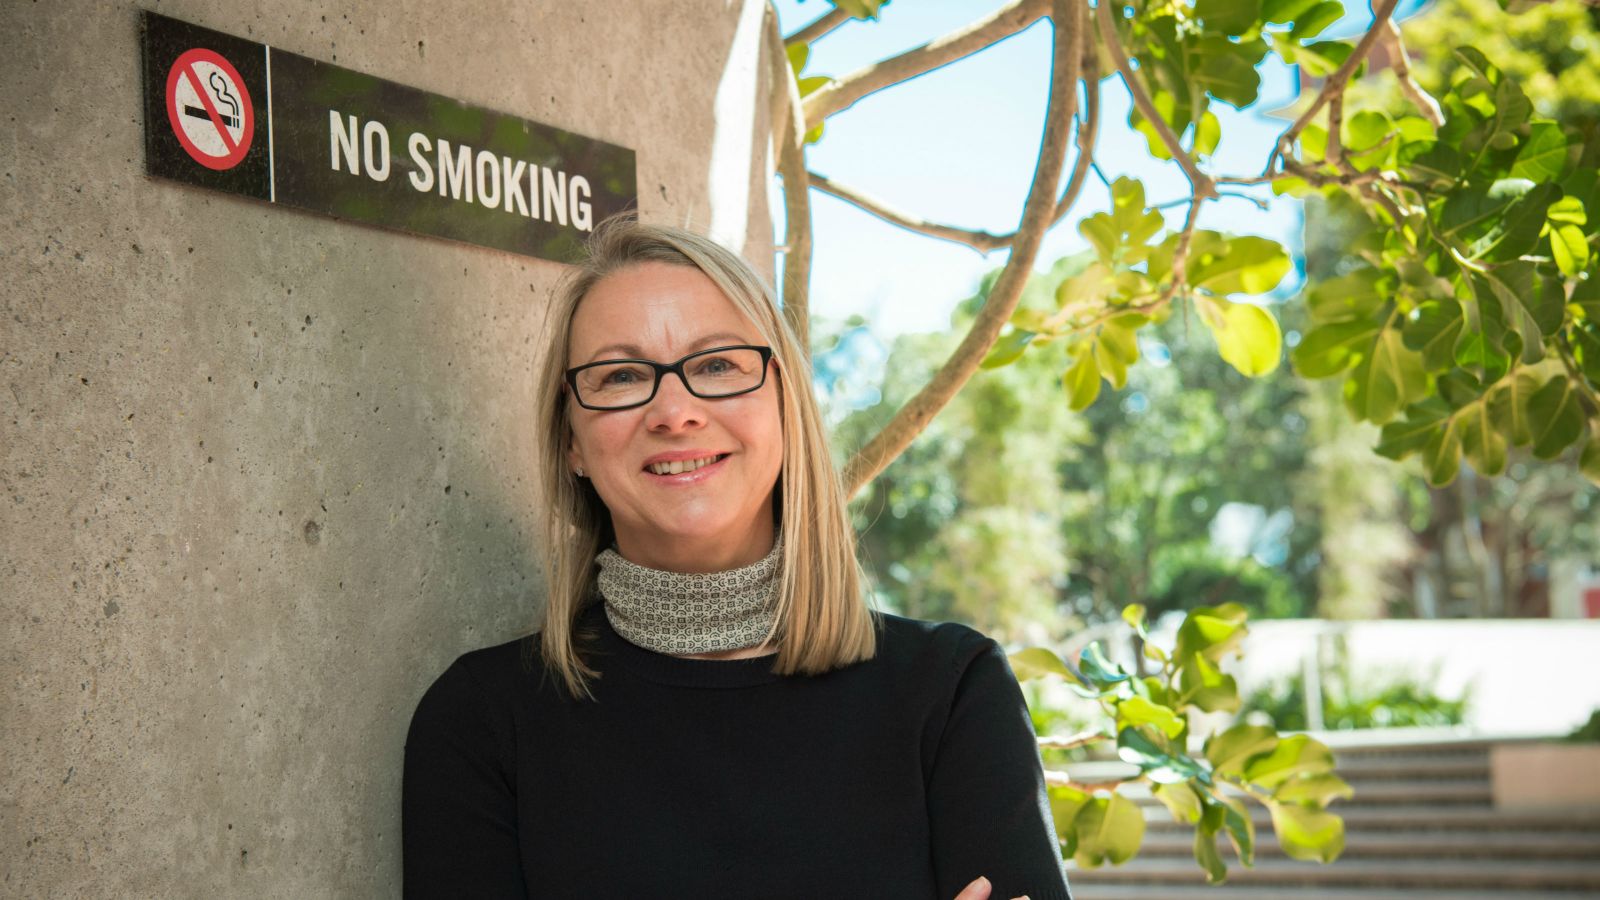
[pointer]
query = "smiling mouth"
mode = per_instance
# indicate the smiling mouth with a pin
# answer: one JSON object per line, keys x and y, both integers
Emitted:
{"x": 684, "y": 466}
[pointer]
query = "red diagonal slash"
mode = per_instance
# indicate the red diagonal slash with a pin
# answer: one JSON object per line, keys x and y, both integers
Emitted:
{"x": 211, "y": 109}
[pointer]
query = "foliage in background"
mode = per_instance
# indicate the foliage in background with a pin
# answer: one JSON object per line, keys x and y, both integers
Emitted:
{"x": 1588, "y": 732}
{"x": 1349, "y": 703}
{"x": 1148, "y": 720}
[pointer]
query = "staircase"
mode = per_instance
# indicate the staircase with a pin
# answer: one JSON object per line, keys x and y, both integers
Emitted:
{"x": 1422, "y": 826}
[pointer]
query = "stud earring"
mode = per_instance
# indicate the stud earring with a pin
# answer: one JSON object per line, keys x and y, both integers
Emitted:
{"x": 580, "y": 471}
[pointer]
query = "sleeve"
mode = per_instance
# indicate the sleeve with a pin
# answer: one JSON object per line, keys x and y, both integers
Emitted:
{"x": 458, "y": 817}
{"x": 989, "y": 813}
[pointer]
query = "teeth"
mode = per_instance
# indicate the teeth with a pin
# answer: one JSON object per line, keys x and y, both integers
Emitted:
{"x": 676, "y": 468}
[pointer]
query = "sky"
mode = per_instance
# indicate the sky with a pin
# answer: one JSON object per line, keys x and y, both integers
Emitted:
{"x": 958, "y": 145}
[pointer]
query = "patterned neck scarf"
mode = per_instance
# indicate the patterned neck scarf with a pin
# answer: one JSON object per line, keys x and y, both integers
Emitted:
{"x": 690, "y": 612}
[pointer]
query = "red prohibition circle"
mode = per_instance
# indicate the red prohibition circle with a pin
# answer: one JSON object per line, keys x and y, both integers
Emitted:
{"x": 183, "y": 68}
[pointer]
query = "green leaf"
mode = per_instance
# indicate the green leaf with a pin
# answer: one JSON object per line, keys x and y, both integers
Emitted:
{"x": 1133, "y": 614}
{"x": 1316, "y": 20}
{"x": 1589, "y": 460}
{"x": 860, "y": 9}
{"x": 1307, "y": 833}
{"x": 1517, "y": 233}
{"x": 812, "y": 83}
{"x": 1433, "y": 329}
{"x": 1568, "y": 210}
{"x": 1007, "y": 349}
{"x": 1205, "y": 853}
{"x": 1570, "y": 249}
{"x": 1241, "y": 831}
{"x": 1386, "y": 381}
{"x": 1403, "y": 437}
{"x": 1481, "y": 443}
{"x": 1097, "y": 670}
{"x": 1556, "y": 418}
{"x": 1543, "y": 156}
{"x": 1158, "y": 764}
{"x": 1507, "y": 403}
{"x": 1228, "y": 751}
{"x": 1082, "y": 382}
{"x": 1313, "y": 790}
{"x": 1109, "y": 829}
{"x": 1065, "y": 804}
{"x": 1232, "y": 17}
{"x": 1282, "y": 12}
{"x": 798, "y": 54}
{"x": 1207, "y": 134}
{"x": 1227, "y": 73}
{"x": 1330, "y": 349}
{"x": 1037, "y": 662}
{"x": 1293, "y": 755}
{"x": 1206, "y": 686}
{"x": 1179, "y": 799}
{"x": 1351, "y": 296}
{"x": 1137, "y": 711}
{"x": 1212, "y": 631}
{"x": 1441, "y": 457}
{"x": 1247, "y": 337}
{"x": 1248, "y": 264}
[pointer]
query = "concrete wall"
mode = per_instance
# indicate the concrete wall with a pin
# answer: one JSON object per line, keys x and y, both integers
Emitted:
{"x": 264, "y": 472}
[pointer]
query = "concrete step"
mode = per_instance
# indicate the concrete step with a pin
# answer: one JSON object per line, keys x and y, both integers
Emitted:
{"x": 1516, "y": 845}
{"x": 1566, "y": 875}
{"x": 1231, "y": 891}
{"x": 1412, "y": 767}
{"x": 1412, "y": 818}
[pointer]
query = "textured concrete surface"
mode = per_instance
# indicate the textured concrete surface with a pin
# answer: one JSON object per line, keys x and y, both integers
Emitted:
{"x": 263, "y": 473}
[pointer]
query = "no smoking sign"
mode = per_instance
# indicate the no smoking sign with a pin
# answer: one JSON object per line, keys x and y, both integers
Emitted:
{"x": 210, "y": 109}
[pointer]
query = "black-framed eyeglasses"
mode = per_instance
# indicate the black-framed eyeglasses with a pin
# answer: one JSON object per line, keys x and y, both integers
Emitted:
{"x": 612, "y": 384}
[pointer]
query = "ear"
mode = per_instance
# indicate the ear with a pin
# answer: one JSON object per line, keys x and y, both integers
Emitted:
{"x": 574, "y": 458}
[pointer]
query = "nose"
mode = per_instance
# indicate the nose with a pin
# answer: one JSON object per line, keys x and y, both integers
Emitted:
{"x": 673, "y": 407}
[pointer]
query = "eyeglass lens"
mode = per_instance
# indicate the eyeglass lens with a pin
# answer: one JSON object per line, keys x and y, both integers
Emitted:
{"x": 711, "y": 375}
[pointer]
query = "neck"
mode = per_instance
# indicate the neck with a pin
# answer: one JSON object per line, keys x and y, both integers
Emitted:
{"x": 698, "y": 555}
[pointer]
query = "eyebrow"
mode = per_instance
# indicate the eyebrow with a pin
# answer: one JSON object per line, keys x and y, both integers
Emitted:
{"x": 635, "y": 351}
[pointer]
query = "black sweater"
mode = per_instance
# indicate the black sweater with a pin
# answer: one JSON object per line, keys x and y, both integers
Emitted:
{"x": 908, "y": 775}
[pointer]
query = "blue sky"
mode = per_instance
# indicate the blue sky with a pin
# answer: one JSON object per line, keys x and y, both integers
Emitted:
{"x": 958, "y": 145}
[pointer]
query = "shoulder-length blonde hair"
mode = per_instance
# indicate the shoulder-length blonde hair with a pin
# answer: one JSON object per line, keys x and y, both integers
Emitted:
{"x": 823, "y": 620}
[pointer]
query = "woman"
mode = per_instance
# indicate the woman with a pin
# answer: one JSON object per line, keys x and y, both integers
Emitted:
{"x": 711, "y": 708}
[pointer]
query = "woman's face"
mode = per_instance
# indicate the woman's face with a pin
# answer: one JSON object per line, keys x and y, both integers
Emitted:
{"x": 721, "y": 517}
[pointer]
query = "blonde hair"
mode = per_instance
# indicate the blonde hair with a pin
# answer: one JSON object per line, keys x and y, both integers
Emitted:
{"x": 824, "y": 620}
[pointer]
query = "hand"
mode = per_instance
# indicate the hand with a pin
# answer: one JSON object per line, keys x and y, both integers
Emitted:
{"x": 979, "y": 890}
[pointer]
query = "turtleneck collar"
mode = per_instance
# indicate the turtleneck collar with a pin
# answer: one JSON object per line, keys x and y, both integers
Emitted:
{"x": 680, "y": 613}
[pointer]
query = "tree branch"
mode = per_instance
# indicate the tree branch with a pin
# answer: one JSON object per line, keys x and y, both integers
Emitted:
{"x": 789, "y": 135}
{"x": 1003, "y": 23}
{"x": 1420, "y": 98}
{"x": 1066, "y": 63}
{"x": 1056, "y": 778}
{"x": 1201, "y": 183}
{"x": 1180, "y": 253}
{"x": 981, "y": 241}
{"x": 985, "y": 241}
{"x": 1382, "y": 11}
{"x": 1081, "y": 739}
{"x": 818, "y": 28}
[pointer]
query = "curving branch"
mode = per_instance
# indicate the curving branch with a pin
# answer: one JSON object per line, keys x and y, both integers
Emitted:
{"x": 981, "y": 241}
{"x": 911, "y": 419}
{"x": 817, "y": 29}
{"x": 1419, "y": 98}
{"x": 986, "y": 241}
{"x": 789, "y": 135}
{"x": 1198, "y": 180}
{"x": 1003, "y": 23}
{"x": 1382, "y": 12}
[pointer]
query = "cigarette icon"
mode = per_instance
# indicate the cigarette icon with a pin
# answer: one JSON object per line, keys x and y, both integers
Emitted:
{"x": 198, "y": 113}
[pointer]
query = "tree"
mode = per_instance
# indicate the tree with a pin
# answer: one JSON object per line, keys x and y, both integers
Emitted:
{"x": 1471, "y": 325}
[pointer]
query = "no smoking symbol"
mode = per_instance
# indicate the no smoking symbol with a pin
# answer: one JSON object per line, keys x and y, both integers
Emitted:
{"x": 210, "y": 109}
